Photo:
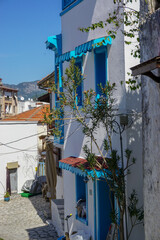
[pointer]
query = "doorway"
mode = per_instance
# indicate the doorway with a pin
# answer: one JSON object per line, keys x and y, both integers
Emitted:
{"x": 103, "y": 210}
{"x": 13, "y": 179}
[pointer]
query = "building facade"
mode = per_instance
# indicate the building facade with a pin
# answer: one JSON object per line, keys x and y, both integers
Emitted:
{"x": 8, "y": 101}
{"x": 21, "y": 148}
{"x": 99, "y": 63}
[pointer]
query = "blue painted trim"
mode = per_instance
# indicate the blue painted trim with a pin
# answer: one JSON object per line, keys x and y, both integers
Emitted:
{"x": 65, "y": 5}
{"x": 82, "y": 220}
{"x": 83, "y": 49}
{"x": 85, "y": 221}
{"x": 106, "y": 64}
{"x": 67, "y": 9}
{"x": 86, "y": 203}
{"x": 117, "y": 210}
{"x": 55, "y": 43}
{"x": 72, "y": 169}
{"x": 77, "y": 171}
{"x": 97, "y": 51}
{"x": 98, "y": 213}
{"x": 95, "y": 209}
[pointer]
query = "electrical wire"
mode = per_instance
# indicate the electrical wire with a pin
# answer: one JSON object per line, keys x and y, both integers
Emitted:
{"x": 47, "y": 142}
{"x": 17, "y": 140}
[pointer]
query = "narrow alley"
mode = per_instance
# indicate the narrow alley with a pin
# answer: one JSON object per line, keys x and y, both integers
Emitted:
{"x": 25, "y": 219}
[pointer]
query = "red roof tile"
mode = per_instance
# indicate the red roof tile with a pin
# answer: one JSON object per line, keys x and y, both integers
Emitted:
{"x": 35, "y": 114}
{"x": 77, "y": 162}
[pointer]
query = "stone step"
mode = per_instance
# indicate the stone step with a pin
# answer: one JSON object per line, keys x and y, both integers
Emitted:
{"x": 59, "y": 202}
{"x": 61, "y": 212}
{"x": 60, "y": 207}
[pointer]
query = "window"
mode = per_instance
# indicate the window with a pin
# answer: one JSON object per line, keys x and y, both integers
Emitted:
{"x": 81, "y": 199}
{"x": 66, "y": 3}
{"x": 100, "y": 68}
{"x": 80, "y": 87}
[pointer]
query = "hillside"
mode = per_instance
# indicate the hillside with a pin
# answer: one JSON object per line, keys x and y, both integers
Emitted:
{"x": 27, "y": 89}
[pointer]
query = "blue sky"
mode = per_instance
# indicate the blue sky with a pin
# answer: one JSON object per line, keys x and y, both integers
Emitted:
{"x": 24, "y": 28}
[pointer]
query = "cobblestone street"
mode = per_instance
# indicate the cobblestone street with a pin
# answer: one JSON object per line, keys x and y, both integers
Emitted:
{"x": 25, "y": 219}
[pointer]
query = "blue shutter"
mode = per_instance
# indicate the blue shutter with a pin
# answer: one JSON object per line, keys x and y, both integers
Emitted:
{"x": 80, "y": 188}
{"x": 100, "y": 69}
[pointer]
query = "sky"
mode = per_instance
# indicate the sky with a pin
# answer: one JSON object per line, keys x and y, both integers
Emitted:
{"x": 24, "y": 28}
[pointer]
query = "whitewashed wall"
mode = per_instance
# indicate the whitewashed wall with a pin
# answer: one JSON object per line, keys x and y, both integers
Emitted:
{"x": 27, "y": 159}
{"x": 41, "y": 130}
{"x": 119, "y": 62}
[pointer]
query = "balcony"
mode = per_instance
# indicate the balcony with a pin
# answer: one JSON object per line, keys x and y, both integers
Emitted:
{"x": 8, "y": 99}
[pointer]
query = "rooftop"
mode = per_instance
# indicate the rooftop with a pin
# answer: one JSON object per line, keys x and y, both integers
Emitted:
{"x": 47, "y": 81}
{"x": 35, "y": 114}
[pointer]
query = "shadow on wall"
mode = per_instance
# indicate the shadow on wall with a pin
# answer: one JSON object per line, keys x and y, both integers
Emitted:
{"x": 135, "y": 144}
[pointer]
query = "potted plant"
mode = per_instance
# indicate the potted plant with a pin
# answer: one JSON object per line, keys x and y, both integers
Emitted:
{"x": 7, "y": 197}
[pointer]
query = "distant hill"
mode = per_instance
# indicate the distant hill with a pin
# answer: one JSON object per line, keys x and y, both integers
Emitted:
{"x": 27, "y": 90}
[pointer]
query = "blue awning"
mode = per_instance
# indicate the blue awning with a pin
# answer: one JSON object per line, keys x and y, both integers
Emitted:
{"x": 63, "y": 57}
{"x": 83, "y": 49}
{"x": 78, "y": 171}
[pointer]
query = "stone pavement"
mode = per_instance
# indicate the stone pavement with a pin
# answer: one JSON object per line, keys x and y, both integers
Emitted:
{"x": 25, "y": 219}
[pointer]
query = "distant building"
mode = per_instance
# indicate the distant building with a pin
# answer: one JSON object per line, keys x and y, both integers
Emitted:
{"x": 8, "y": 101}
{"x": 45, "y": 84}
{"x": 21, "y": 141}
{"x": 28, "y": 105}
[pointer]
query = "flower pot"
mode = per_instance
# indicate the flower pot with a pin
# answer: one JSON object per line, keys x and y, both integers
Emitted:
{"x": 7, "y": 199}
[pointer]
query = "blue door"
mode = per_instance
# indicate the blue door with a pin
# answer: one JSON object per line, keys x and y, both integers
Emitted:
{"x": 103, "y": 210}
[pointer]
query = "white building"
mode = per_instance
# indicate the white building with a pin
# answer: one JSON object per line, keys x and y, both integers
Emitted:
{"x": 24, "y": 106}
{"x": 20, "y": 148}
{"x": 109, "y": 62}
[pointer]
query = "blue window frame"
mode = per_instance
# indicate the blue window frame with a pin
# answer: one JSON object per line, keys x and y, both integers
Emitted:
{"x": 59, "y": 123}
{"x": 103, "y": 209}
{"x": 100, "y": 68}
{"x": 80, "y": 87}
{"x": 81, "y": 199}
{"x": 66, "y": 3}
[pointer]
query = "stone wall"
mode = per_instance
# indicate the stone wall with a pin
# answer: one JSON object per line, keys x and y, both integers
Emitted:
{"x": 150, "y": 48}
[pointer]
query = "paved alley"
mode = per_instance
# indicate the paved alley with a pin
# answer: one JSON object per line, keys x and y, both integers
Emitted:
{"x": 25, "y": 219}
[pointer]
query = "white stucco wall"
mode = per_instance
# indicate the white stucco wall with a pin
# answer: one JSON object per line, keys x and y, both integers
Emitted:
{"x": 41, "y": 130}
{"x": 23, "y": 150}
{"x": 59, "y": 187}
{"x": 119, "y": 62}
